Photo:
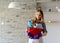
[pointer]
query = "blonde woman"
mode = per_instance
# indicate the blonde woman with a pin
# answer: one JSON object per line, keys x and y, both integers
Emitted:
{"x": 36, "y": 27}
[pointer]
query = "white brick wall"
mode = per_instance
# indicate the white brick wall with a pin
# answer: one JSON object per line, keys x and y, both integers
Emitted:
{"x": 13, "y": 28}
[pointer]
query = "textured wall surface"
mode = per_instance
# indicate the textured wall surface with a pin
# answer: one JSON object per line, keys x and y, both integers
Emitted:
{"x": 13, "y": 23}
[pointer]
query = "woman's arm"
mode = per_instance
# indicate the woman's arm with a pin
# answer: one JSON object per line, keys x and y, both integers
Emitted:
{"x": 44, "y": 32}
{"x": 29, "y": 23}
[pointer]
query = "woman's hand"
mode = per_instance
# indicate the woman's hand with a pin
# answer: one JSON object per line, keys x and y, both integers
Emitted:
{"x": 44, "y": 34}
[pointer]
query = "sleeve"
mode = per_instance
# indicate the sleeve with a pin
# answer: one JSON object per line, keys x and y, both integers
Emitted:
{"x": 29, "y": 24}
{"x": 44, "y": 28}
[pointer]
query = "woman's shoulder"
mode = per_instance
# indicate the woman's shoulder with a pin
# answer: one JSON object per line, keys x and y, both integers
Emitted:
{"x": 44, "y": 23}
{"x": 31, "y": 20}
{"x": 30, "y": 23}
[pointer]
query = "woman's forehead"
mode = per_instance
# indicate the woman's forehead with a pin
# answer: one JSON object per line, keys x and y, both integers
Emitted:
{"x": 38, "y": 13}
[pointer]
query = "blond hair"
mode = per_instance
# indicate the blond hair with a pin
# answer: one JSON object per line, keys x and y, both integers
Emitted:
{"x": 35, "y": 18}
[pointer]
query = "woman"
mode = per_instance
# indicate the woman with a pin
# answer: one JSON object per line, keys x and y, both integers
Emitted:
{"x": 36, "y": 27}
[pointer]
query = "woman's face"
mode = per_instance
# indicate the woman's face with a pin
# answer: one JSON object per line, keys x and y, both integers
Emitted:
{"x": 38, "y": 15}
